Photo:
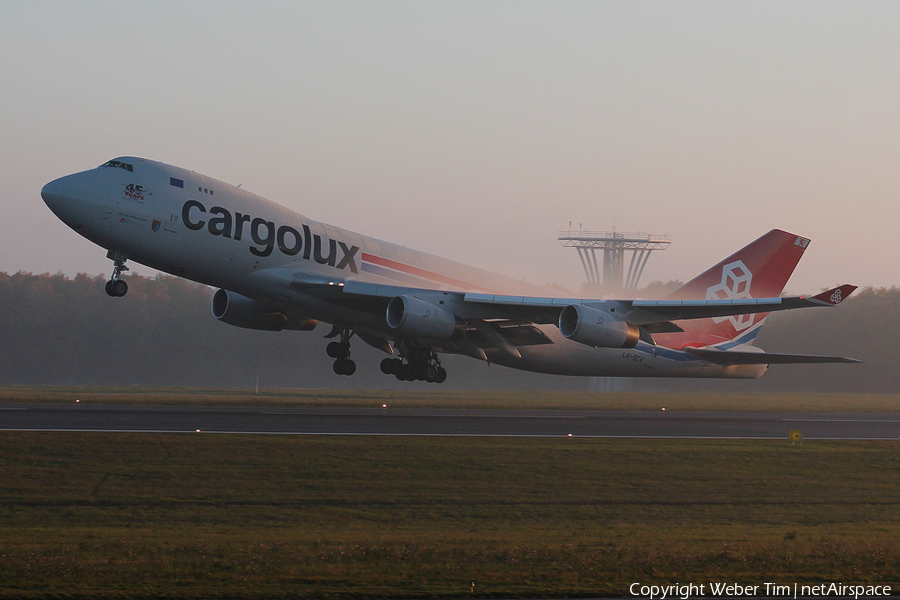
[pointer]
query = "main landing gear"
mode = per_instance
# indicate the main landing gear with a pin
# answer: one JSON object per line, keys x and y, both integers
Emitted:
{"x": 340, "y": 351}
{"x": 417, "y": 363}
{"x": 422, "y": 364}
{"x": 116, "y": 287}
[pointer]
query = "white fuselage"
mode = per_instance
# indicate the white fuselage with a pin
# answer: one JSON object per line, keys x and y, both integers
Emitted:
{"x": 186, "y": 224}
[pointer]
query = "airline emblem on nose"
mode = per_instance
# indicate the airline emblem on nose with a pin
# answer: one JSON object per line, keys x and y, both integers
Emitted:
{"x": 135, "y": 192}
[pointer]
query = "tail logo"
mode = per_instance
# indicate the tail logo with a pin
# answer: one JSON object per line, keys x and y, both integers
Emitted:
{"x": 735, "y": 285}
{"x": 836, "y": 296}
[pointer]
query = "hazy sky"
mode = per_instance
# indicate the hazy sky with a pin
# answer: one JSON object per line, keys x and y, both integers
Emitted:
{"x": 475, "y": 130}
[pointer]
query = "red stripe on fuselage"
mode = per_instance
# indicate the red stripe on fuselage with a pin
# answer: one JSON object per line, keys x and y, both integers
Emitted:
{"x": 424, "y": 274}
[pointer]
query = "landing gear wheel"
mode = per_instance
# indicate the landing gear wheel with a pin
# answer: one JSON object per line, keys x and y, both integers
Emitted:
{"x": 441, "y": 375}
{"x": 419, "y": 370}
{"x": 338, "y": 350}
{"x": 405, "y": 373}
{"x": 116, "y": 288}
{"x": 344, "y": 366}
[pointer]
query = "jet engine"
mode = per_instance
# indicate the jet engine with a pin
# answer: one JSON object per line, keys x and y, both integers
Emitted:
{"x": 248, "y": 313}
{"x": 414, "y": 317}
{"x": 596, "y": 328}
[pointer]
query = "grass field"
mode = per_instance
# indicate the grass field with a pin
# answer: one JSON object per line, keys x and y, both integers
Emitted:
{"x": 140, "y": 515}
{"x": 432, "y": 398}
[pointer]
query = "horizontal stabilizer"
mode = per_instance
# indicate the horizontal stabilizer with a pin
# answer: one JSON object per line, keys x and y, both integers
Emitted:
{"x": 726, "y": 358}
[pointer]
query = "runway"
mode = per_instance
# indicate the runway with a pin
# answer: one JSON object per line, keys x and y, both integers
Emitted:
{"x": 443, "y": 422}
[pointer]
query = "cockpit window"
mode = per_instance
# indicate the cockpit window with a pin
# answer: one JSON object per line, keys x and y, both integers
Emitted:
{"x": 117, "y": 164}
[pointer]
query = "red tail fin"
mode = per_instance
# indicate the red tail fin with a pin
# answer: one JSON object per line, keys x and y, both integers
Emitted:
{"x": 759, "y": 270}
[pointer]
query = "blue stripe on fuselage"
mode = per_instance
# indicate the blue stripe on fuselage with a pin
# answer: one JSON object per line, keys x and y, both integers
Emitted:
{"x": 682, "y": 356}
{"x": 744, "y": 338}
{"x": 663, "y": 352}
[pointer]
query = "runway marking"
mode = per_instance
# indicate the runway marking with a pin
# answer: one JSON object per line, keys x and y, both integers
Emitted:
{"x": 462, "y": 435}
{"x": 840, "y": 420}
{"x": 415, "y": 413}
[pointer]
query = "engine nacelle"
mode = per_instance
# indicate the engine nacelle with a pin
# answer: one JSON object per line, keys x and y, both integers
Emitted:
{"x": 597, "y": 328}
{"x": 415, "y": 317}
{"x": 248, "y": 313}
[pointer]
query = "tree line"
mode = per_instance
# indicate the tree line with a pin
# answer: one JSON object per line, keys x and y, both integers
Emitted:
{"x": 58, "y": 330}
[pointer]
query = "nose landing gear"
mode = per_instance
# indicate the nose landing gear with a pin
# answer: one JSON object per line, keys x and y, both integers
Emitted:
{"x": 117, "y": 287}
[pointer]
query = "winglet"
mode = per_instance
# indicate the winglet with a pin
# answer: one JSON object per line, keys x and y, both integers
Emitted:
{"x": 834, "y": 296}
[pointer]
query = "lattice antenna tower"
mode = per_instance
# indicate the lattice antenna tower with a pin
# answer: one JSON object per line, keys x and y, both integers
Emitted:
{"x": 610, "y": 274}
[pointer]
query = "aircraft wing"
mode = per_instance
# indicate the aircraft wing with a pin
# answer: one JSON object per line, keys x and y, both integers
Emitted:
{"x": 648, "y": 312}
{"x": 654, "y": 314}
{"x": 507, "y": 322}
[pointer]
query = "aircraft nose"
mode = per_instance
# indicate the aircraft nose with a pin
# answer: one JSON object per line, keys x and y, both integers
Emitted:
{"x": 54, "y": 194}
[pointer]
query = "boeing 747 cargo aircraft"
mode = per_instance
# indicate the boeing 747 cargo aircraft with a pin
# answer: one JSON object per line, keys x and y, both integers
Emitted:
{"x": 279, "y": 270}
